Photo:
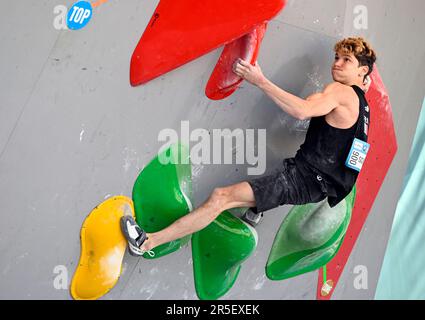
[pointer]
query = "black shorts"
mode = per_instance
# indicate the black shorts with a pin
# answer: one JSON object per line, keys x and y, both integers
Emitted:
{"x": 294, "y": 184}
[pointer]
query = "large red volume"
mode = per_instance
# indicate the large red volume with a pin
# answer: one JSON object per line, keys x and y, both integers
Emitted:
{"x": 183, "y": 30}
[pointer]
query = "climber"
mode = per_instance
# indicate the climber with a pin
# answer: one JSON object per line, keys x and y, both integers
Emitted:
{"x": 326, "y": 165}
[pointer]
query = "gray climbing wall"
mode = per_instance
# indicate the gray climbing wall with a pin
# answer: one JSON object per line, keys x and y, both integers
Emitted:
{"x": 73, "y": 132}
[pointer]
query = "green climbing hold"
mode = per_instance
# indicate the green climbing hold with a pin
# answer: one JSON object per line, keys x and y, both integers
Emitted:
{"x": 218, "y": 252}
{"x": 162, "y": 194}
{"x": 309, "y": 237}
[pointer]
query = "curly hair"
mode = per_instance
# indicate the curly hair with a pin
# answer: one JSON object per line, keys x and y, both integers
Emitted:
{"x": 360, "y": 48}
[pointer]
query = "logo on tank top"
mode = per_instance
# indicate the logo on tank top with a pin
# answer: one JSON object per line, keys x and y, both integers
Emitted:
{"x": 366, "y": 125}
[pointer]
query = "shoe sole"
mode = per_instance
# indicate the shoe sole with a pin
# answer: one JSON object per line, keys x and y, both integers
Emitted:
{"x": 124, "y": 230}
{"x": 253, "y": 223}
{"x": 134, "y": 251}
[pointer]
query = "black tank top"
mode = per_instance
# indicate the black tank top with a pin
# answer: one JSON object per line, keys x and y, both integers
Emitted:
{"x": 326, "y": 149}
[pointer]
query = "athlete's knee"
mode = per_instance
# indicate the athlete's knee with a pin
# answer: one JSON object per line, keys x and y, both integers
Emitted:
{"x": 219, "y": 198}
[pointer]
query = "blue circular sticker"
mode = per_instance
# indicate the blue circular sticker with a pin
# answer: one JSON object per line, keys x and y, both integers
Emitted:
{"x": 79, "y": 15}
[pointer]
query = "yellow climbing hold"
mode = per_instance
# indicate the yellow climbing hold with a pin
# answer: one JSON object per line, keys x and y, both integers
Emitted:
{"x": 102, "y": 249}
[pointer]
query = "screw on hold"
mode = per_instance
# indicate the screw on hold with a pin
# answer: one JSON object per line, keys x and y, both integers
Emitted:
{"x": 155, "y": 17}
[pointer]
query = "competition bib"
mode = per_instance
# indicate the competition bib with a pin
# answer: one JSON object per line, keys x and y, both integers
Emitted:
{"x": 357, "y": 154}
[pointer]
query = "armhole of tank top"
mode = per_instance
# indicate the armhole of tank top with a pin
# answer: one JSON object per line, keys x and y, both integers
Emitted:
{"x": 362, "y": 98}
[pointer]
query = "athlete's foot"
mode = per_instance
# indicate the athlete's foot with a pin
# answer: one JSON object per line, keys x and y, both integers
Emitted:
{"x": 135, "y": 236}
{"x": 252, "y": 218}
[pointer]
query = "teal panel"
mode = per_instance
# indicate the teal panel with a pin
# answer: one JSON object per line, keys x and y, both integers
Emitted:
{"x": 403, "y": 270}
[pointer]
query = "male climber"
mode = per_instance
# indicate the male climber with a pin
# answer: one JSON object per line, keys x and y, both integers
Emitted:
{"x": 339, "y": 119}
